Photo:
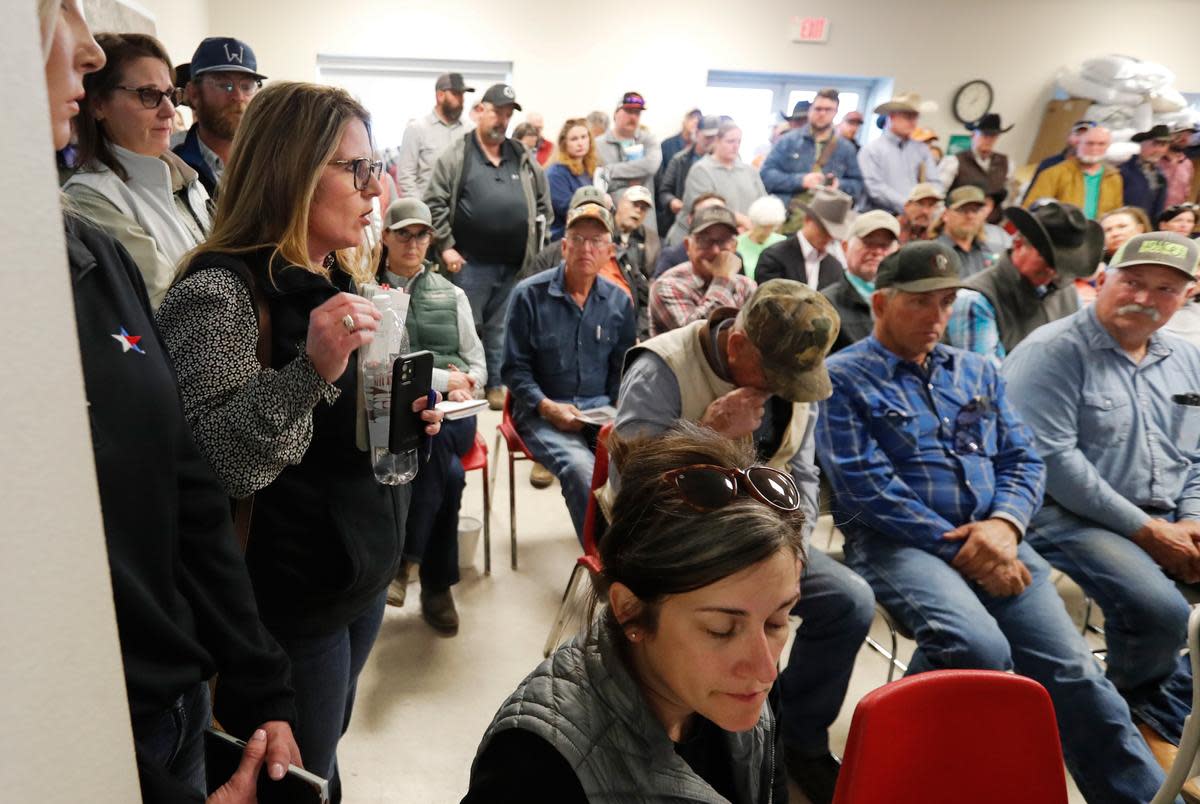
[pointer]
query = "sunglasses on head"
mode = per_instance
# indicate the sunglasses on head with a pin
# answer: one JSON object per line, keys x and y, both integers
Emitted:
{"x": 706, "y": 487}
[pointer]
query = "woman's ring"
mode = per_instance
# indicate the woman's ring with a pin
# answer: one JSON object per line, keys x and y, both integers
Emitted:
{"x": 348, "y": 323}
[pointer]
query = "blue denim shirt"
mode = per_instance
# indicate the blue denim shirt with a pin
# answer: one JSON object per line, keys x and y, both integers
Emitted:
{"x": 792, "y": 157}
{"x": 1114, "y": 440}
{"x": 912, "y": 454}
{"x": 555, "y": 349}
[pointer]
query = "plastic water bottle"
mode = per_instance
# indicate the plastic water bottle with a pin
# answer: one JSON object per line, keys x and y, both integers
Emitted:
{"x": 376, "y": 361}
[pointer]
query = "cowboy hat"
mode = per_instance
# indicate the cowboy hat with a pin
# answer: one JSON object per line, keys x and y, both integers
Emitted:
{"x": 906, "y": 102}
{"x": 833, "y": 209}
{"x": 1062, "y": 234}
{"x": 988, "y": 124}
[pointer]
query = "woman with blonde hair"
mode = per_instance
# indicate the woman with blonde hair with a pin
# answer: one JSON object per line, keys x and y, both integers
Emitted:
{"x": 264, "y": 327}
{"x": 574, "y": 166}
{"x": 184, "y": 604}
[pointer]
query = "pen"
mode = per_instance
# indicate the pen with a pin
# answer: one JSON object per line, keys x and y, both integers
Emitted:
{"x": 597, "y": 333}
{"x": 431, "y": 401}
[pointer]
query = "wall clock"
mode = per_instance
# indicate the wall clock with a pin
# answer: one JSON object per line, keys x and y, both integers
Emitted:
{"x": 972, "y": 101}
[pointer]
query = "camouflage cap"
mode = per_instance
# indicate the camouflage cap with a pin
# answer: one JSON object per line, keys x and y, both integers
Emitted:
{"x": 920, "y": 267}
{"x": 1169, "y": 249}
{"x": 793, "y": 327}
{"x": 592, "y": 211}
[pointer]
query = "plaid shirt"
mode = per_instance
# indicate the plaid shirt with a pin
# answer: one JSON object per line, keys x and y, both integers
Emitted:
{"x": 911, "y": 454}
{"x": 680, "y": 296}
{"x": 973, "y": 326}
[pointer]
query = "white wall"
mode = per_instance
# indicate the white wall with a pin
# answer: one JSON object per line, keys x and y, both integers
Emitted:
{"x": 65, "y": 737}
{"x": 570, "y": 57}
{"x": 180, "y": 24}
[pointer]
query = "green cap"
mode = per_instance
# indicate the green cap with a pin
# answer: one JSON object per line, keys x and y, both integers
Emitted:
{"x": 966, "y": 194}
{"x": 1168, "y": 249}
{"x": 793, "y": 328}
{"x": 588, "y": 194}
{"x": 920, "y": 267}
{"x": 405, "y": 212}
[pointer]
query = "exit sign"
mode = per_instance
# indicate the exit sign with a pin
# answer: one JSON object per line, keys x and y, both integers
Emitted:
{"x": 810, "y": 29}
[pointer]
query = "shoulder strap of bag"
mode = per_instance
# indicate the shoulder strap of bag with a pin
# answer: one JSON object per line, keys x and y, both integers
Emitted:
{"x": 826, "y": 153}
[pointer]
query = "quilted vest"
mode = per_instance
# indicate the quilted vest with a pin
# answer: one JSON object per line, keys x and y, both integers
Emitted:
{"x": 1019, "y": 311}
{"x": 433, "y": 318}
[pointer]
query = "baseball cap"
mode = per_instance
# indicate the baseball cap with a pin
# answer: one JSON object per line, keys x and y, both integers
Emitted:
{"x": 873, "y": 221}
{"x": 588, "y": 194}
{"x": 405, "y": 212}
{"x": 793, "y": 327}
{"x": 920, "y": 267}
{"x": 501, "y": 95}
{"x": 590, "y": 211}
{"x": 924, "y": 190}
{"x": 633, "y": 102}
{"x": 1168, "y": 249}
{"x": 638, "y": 194}
{"x": 452, "y": 82}
{"x": 224, "y": 54}
{"x": 966, "y": 194}
{"x": 709, "y": 217}
{"x": 709, "y": 124}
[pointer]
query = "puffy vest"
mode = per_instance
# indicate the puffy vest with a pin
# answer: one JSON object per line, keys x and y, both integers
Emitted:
{"x": 1019, "y": 311}
{"x": 433, "y": 318}
{"x": 992, "y": 180}
{"x": 583, "y": 702}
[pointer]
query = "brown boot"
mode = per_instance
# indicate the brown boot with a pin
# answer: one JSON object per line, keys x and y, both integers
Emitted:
{"x": 495, "y": 398}
{"x": 540, "y": 477}
{"x": 398, "y": 589}
{"x": 1164, "y": 752}
{"x": 438, "y": 610}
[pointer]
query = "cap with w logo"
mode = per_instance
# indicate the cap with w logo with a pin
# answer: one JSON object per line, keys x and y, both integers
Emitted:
{"x": 224, "y": 54}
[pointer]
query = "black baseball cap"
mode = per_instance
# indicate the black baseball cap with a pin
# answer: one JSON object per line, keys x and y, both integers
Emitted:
{"x": 501, "y": 95}
{"x": 224, "y": 54}
{"x": 919, "y": 268}
{"x": 453, "y": 82}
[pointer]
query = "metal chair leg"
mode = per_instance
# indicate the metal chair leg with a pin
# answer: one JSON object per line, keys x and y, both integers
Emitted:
{"x": 512, "y": 510}
{"x": 564, "y": 613}
{"x": 894, "y": 662}
{"x": 487, "y": 522}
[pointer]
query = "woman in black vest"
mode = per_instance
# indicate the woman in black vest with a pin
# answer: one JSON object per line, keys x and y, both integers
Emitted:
{"x": 264, "y": 326}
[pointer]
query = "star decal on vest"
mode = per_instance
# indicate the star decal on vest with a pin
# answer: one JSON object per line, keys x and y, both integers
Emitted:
{"x": 128, "y": 342}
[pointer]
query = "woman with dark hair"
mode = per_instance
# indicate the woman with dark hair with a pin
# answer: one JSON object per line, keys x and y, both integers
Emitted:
{"x": 573, "y": 167}
{"x": 183, "y": 601}
{"x": 670, "y": 693}
{"x": 264, "y": 327}
{"x": 131, "y": 184}
{"x": 1180, "y": 218}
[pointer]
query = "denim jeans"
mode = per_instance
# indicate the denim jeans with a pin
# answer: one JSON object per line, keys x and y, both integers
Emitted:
{"x": 325, "y": 672}
{"x": 432, "y": 529}
{"x": 174, "y": 739}
{"x": 1145, "y": 616}
{"x": 488, "y": 286}
{"x": 837, "y": 607}
{"x": 958, "y": 625}
{"x": 569, "y": 456}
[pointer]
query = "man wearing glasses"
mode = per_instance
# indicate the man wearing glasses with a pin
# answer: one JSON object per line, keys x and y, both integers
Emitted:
{"x": 935, "y": 481}
{"x": 224, "y": 77}
{"x": 567, "y": 332}
{"x": 711, "y": 277}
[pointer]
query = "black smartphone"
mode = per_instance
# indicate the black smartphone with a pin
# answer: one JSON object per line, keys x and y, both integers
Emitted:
{"x": 223, "y": 754}
{"x": 412, "y": 377}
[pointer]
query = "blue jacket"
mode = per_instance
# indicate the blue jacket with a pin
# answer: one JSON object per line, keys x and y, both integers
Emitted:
{"x": 189, "y": 151}
{"x": 792, "y": 157}
{"x": 1138, "y": 192}
{"x": 563, "y": 184}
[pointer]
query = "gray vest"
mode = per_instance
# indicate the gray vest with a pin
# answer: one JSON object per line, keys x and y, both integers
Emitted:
{"x": 583, "y": 702}
{"x": 1019, "y": 311}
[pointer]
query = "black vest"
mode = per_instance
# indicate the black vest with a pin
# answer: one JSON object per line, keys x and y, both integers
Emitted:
{"x": 993, "y": 180}
{"x": 1019, "y": 311}
{"x": 325, "y": 538}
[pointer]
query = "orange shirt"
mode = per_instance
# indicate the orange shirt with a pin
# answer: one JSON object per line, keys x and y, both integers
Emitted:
{"x": 612, "y": 272}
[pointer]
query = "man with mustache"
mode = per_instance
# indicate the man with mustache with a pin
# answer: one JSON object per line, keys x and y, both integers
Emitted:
{"x": 1115, "y": 408}
{"x": 224, "y": 77}
{"x": 1082, "y": 179}
{"x": 428, "y": 136}
{"x": 490, "y": 203}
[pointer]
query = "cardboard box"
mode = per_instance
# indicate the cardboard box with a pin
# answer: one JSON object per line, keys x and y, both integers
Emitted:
{"x": 1056, "y": 125}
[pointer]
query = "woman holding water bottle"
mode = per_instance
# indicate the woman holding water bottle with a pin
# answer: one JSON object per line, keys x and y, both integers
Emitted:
{"x": 263, "y": 327}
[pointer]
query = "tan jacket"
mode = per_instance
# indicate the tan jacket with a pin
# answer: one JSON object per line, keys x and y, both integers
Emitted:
{"x": 1064, "y": 182}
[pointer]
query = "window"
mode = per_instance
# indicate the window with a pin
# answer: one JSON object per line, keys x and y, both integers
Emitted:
{"x": 392, "y": 89}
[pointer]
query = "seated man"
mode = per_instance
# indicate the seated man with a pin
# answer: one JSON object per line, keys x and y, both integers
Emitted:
{"x": 935, "y": 480}
{"x": 961, "y": 228}
{"x": 567, "y": 332}
{"x": 1031, "y": 286}
{"x": 754, "y": 374}
{"x": 670, "y": 256}
{"x": 710, "y": 278}
{"x": 873, "y": 236}
{"x": 1113, "y": 406}
{"x": 921, "y": 208}
{"x": 809, "y": 257}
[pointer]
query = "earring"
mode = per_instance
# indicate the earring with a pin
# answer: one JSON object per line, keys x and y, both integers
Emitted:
{"x": 633, "y": 636}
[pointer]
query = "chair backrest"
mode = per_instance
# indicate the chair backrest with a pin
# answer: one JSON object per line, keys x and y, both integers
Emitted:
{"x": 1189, "y": 744}
{"x": 949, "y": 736}
{"x": 599, "y": 478}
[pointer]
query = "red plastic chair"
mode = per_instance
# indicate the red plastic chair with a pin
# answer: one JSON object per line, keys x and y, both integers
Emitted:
{"x": 477, "y": 458}
{"x": 949, "y": 736}
{"x": 590, "y": 560}
{"x": 517, "y": 451}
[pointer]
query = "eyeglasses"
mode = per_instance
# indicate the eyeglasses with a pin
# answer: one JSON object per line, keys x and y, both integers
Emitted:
{"x": 706, "y": 487}
{"x": 406, "y": 236}
{"x": 152, "y": 97}
{"x": 247, "y": 86}
{"x": 363, "y": 169}
{"x": 596, "y": 243}
{"x": 968, "y": 426}
{"x": 723, "y": 243}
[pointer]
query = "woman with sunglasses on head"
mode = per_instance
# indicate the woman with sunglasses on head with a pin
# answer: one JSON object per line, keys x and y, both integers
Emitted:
{"x": 264, "y": 327}
{"x": 183, "y": 600}
{"x": 669, "y": 695}
{"x": 131, "y": 184}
